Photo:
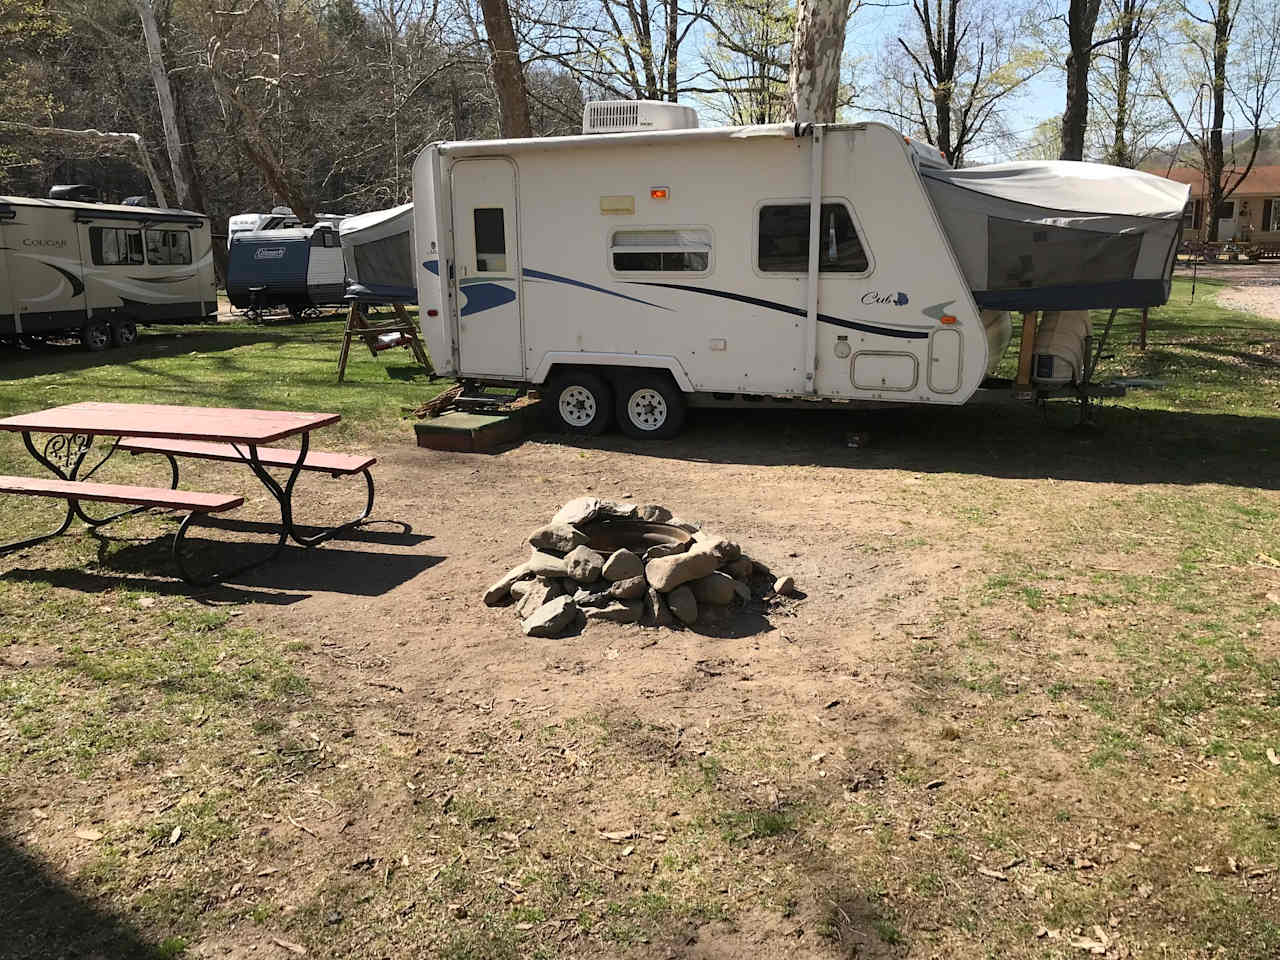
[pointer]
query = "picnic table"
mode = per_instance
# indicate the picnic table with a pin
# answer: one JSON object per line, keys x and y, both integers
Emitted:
{"x": 176, "y": 432}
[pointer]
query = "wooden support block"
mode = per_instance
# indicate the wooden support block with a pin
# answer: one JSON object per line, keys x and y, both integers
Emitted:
{"x": 1022, "y": 384}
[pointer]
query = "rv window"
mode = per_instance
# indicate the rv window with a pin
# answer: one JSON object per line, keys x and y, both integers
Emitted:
{"x": 110, "y": 246}
{"x": 784, "y": 240}
{"x": 491, "y": 240}
{"x": 168, "y": 247}
{"x": 684, "y": 251}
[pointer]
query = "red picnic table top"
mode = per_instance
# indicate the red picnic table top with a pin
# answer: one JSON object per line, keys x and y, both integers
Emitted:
{"x": 225, "y": 424}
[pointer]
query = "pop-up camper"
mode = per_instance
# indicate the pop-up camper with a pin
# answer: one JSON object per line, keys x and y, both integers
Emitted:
{"x": 97, "y": 270}
{"x": 634, "y": 270}
{"x": 378, "y": 250}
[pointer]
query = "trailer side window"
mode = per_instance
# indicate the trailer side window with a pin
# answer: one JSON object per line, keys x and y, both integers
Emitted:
{"x": 680, "y": 251}
{"x": 784, "y": 240}
{"x": 491, "y": 240}
{"x": 169, "y": 247}
{"x": 111, "y": 246}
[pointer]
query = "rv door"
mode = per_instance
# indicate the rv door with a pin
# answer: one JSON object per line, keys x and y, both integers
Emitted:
{"x": 7, "y": 309}
{"x": 486, "y": 274}
{"x": 45, "y": 270}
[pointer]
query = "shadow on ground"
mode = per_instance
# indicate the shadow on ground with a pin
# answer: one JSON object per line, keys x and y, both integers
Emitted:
{"x": 42, "y": 917}
{"x": 1128, "y": 445}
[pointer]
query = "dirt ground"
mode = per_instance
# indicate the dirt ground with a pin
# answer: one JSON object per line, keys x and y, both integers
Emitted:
{"x": 932, "y": 750}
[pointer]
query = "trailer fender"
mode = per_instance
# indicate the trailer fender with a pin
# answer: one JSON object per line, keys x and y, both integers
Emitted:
{"x": 586, "y": 359}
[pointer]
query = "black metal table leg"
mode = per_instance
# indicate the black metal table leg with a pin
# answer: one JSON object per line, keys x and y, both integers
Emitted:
{"x": 71, "y": 450}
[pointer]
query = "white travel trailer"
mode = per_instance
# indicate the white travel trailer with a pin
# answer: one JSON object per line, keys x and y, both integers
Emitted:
{"x": 633, "y": 273}
{"x": 97, "y": 270}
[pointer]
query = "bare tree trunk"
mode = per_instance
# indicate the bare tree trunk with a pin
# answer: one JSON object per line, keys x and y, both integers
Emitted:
{"x": 1213, "y": 173}
{"x": 1082, "y": 18}
{"x": 508, "y": 73}
{"x": 260, "y": 151}
{"x": 814, "y": 81}
{"x": 164, "y": 95}
{"x": 1121, "y": 149}
{"x": 673, "y": 49}
{"x": 135, "y": 142}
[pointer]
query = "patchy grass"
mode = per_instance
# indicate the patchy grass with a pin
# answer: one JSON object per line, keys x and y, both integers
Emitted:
{"x": 1068, "y": 737}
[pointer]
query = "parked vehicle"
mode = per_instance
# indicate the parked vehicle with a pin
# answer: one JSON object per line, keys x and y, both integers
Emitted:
{"x": 97, "y": 270}
{"x": 278, "y": 219}
{"x": 299, "y": 268}
{"x": 635, "y": 270}
{"x": 378, "y": 250}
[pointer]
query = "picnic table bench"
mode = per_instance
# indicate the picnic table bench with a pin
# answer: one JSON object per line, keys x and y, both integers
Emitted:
{"x": 209, "y": 433}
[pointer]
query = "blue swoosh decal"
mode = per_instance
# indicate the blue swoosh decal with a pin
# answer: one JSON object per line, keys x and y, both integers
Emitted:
{"x": 796, "y": 311}
{"x": 485, "y": 296}
{"x": 542, "y": 275}
{"x": 433, "y": 266}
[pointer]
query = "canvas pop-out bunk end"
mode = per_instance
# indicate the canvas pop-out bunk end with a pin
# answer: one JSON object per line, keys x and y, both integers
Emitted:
{"x": 1051, "y": 241}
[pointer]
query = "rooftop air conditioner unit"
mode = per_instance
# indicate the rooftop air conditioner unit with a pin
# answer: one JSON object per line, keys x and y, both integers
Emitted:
{"x": 636, "y": 116}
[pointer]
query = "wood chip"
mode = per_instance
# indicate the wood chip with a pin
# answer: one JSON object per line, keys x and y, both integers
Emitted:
{"x": 1200, "y": 868}
{"x": 1273, "y": 757}
{"x": 934, "y": 784}
{"x": 993, "y": 874}
{"x": 85, "y": 833}
{"x": 39, "y": 814}
{"x": 616, "y": 836}
{"x": 175, "y": 836}
{"x": 297, "y": 949}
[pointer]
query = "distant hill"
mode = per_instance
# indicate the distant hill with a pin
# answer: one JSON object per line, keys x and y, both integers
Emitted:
{"x": 1268, "y": 152}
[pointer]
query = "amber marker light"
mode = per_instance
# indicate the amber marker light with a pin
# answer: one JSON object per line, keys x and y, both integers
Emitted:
{"x": 947, "y": 318}
{"x": 659, "y": 193}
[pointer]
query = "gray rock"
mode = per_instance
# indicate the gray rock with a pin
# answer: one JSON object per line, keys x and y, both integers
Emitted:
{"x": 725, "y": 551}
{"x": 615, "y": 510}
{"x": 623, "y": 565}
{"x": 545, "y": 565}
{"x": 632, "y": 588}
{"x": 740, "y": 569}
{"x": 540, "y": 592}
{"x": 785, "y": 586}
{"x": 583, "y": 564}
{"x": 500, "y": 590}
{"x": 577, "y": 511}
{"x": 592, "y": 597}
{"x": 715, "y": 588}
{"x": 665, "y": 550}
{"x": 618, "y": 612}
{"x": 683, "y": 604}
{"x": 742, "y": 590}
{"x": 667, "y": 573}
{"x": 560, "y": 537}
{"x": 656, "y": 609}
{"x": 652, "y": 513}
{"x": 519, "y": 589}
{"x": 551, "y": 618}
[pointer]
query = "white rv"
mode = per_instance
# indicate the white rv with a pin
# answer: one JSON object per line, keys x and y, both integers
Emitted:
{"x": 97, "y": 270}
{"x": 280, "y": 218}
{"x": 648, "y": 265}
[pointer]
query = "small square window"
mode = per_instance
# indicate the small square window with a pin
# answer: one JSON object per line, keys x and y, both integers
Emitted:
{"x": 784, "y": 240}
{"x": 491, "y": 240}
{"x": 661, "y": 250}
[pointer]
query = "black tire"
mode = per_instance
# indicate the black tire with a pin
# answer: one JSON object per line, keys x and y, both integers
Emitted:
{"x": 650, "y": 405}
{"x": 580, "y": 402}
{"x": 95, "y": 336}
{"x": 297, "y": 312}
{"x": 124, "y": 333}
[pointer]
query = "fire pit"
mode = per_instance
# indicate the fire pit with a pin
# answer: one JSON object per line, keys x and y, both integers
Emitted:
{"x": 626, "y": 563}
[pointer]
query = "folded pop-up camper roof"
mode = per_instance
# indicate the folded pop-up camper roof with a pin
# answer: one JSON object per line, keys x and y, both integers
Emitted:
{"x": 378, "y": 250}
{"x": 1031, "y": 235}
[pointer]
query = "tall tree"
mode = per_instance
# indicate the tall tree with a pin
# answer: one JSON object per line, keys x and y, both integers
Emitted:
{"x": 1132, "y": 120}
{"x": 508, "y": 72}
{"x": 748, "y": 57}
{"x": 813, "y": 83}
{"x": 1081, "y": 19}
{"x": 961, "y": 66}
{"x": 1231, "y": 50}
{"x": 179, "y": 162}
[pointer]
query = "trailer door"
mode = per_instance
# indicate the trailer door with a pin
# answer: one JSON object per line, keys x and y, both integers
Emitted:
{"x": 486, "y": 273}
{"x": 7, "y": 310}
{"x": 45, "y": 270}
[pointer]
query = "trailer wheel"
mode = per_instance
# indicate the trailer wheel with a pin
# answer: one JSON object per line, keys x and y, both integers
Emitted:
{"x": 581, "y": 403}
{"x": 124, "y": 333}
{"x": 650, "y": 406}
{"x": 95, "y": 336}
